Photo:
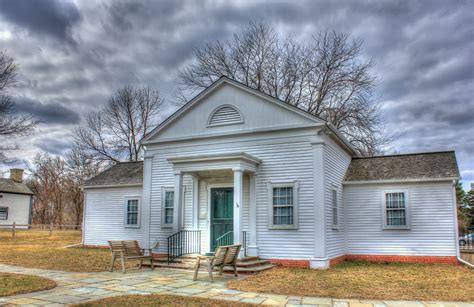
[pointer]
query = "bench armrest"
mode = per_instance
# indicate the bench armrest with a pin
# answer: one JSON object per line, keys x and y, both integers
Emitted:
{"x": 147, "y": 249}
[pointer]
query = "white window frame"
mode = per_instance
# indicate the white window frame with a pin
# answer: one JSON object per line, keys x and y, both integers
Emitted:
{"x": 270, "y": 187}
{"x": 384, "y": 210}
{"x": 163, "y": 197}
{"x": 5, "y": 219}
{"x": 127, "y": 198}
{"x": 335, "y": 208}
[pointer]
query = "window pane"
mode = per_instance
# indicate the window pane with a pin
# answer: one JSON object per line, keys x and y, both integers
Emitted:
{"x": 396, "y": 209}
{"x": 282, "y": 206}
{"x": 334, "y": 216}
{"x": 283, "y": 215}
{"x": 169, "y": 205}
{"x": 132, "y": 219}
{"x": 132, "y": 212}
{"x": 3, "y": 213}
{"x": 169, "y": 199}
{"x": 168, "y": 216}
{"x": 396, "y": 217}
{"x": 395, "y": 200}
{"x": 283, "y": 196}
{"x": 132, "y": 205}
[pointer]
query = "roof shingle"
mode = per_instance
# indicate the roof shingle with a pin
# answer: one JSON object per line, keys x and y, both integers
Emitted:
{"x": 429, "y": 165}
{"x": 122, "y": 173}
{"x": 10, "y": 186}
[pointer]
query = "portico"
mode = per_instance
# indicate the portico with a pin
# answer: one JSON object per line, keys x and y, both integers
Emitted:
{"x": 237, "y": 167}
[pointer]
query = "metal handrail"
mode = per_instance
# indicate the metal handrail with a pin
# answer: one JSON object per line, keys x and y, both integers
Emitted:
{"x": 244, "y": 242}
{"x": 225, "y": 239}
{"x": 184, "y": 242}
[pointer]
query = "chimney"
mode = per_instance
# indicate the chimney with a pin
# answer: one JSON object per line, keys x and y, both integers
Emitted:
{"x": 16, "y": 174}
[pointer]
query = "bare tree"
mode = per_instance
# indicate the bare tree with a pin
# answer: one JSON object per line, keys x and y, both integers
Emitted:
{"x": 10, "y": 124}
{"x": 79, "y": 170}
{"x": 114, "y": 133}
{"x": 326, "y": 77}
{"x": 48, "y": 184}
{"x": 57, "y": 185}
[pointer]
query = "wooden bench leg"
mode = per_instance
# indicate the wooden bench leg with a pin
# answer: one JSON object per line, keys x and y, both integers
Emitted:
{"x": 112, "y": 262}
{"x": 151, "y": 263}
{"x": 123, "y": 263}
{"x": 209, "y": 268}
{"x": 141, "y": 263}
{"x": 196, "y": 268}
{"x": 235, "y": 271}
{"x": 221, "y": 268}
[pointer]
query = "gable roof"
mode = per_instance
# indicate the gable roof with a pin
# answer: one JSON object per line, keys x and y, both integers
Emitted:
{"x": 211, "y": 88}
{"x": 10, "y": 186}
{"x": 404, "y": 167}
{"x": 121, "y": 174}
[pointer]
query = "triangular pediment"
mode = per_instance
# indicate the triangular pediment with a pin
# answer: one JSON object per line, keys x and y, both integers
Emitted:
{"x": 228, "y": 107}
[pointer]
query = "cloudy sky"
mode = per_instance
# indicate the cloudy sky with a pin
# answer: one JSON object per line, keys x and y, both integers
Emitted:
{"x": 74, "y": 54}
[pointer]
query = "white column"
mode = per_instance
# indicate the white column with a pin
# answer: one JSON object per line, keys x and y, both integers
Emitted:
{"x": 145, "y": 206}
{"x": 238, "y": 200}
{"x": 178, "y": 201}
{"x": 320, "y": 259}
{"x": 195, "y": 201}
{"x": 252, "y": 248}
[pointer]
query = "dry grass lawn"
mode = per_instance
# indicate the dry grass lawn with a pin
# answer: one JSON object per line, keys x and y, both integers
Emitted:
{"x": 362, "y": 280}
{"x": 11, "y": 284}
{"x": 160, "y": 300}
{"x": 36, "y": 249}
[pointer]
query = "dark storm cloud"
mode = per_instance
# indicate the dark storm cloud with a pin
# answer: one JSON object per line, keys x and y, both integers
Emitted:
{"x": 422, "y": 50}
{"x": 46, "y": 17}
{"x": 53, "y": 145}
{"x": 48, "y": 113}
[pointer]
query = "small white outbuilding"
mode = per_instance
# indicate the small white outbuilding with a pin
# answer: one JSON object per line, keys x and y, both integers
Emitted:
{"x": 15, "y": 200}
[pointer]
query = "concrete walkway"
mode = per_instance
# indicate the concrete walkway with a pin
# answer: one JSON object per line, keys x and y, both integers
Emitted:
{"x": 82, "y": 287}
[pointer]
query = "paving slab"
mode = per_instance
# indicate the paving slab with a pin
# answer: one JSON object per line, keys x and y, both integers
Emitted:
{"x": 85, "y": 287}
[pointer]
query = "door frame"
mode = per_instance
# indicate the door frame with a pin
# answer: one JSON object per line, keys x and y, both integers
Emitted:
{"x": 208, "y": 196}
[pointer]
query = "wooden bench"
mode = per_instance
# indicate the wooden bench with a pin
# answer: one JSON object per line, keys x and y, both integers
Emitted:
{"x": 129, "y": 250}
{"x": 224, "y": 256}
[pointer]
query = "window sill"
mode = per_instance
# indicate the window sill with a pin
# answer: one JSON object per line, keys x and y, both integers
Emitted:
{"x": 396, "y": 228}
{"x": 166, "y": 226}
{"x": 283, "y": 228}
{"x": 335, "y": 227}
{"x": 132, "y": 226}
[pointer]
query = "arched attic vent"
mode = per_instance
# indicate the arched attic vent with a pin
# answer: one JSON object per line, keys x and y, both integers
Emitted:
{"x": 225, "y": 115}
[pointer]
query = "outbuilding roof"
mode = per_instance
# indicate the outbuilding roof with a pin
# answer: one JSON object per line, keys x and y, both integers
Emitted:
{"x": 428, "y": 165}
{"x": 10, "y": 186}
{"x": 121, "y": 174}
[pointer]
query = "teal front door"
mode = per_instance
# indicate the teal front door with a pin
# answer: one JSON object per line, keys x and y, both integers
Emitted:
{"x": 222, "y": 217}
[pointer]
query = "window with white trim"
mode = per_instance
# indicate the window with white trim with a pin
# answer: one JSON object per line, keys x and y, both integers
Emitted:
{"x": 132, "y": 211}
{"x": 4, "y": 213}
{"x": 335, "y": 214}
{"x": 283, "y": 205}
{"x": 395, "y": 210}
{"x": 167, "y": 207}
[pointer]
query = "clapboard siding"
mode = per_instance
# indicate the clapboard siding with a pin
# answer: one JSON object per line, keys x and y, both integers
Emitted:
{"x": 104, "y": 215}
{"x": 432, "y": 231}
{"x": 282, "y": 162}
{"x": 336, "y": 162}
{"x": 18, "y": 208}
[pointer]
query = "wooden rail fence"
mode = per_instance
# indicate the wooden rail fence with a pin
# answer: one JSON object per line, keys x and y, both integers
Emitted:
{"x": 38, "y": 227}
